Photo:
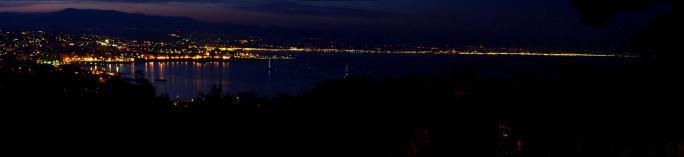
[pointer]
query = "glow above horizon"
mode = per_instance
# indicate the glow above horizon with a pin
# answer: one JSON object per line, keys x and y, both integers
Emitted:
{"x": 497, "y": 21}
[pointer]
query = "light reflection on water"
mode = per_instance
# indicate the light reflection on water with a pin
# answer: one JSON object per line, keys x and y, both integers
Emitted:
{"x": 187, "y": 79}
{"x": 269, "y": 78}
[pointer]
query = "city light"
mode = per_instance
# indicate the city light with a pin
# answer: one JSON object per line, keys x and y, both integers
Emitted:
{"x": 85, "y": 48}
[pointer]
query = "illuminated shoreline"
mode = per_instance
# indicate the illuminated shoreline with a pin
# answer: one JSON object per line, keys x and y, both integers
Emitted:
{"x": 151, "y": 58}
{"x": 541, "y": 54}
{"x": 255, "y": 56}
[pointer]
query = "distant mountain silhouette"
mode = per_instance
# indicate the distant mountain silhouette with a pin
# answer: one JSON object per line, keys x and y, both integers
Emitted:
{"x": 140, "y": 26}
{"x": 111, "y": 22}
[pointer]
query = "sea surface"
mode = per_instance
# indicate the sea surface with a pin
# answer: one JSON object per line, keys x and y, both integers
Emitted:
{"x": 268, "y": 78}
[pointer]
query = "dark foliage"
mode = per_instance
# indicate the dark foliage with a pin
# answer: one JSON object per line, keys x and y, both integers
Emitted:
{"x": 628, "y": 111}
{"x": 583, "y": 112}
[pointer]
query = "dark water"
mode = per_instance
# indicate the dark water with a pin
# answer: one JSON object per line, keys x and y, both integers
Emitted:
{"x": 187, "y": 79}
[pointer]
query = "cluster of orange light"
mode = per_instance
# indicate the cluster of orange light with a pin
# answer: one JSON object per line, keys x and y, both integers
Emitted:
{"x": 155, "y": 57}
{"x": 167, "y": 57}
{"x": 96, "y": 59}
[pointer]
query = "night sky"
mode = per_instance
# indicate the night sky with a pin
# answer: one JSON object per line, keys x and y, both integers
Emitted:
{"x": 497, "y": 22}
